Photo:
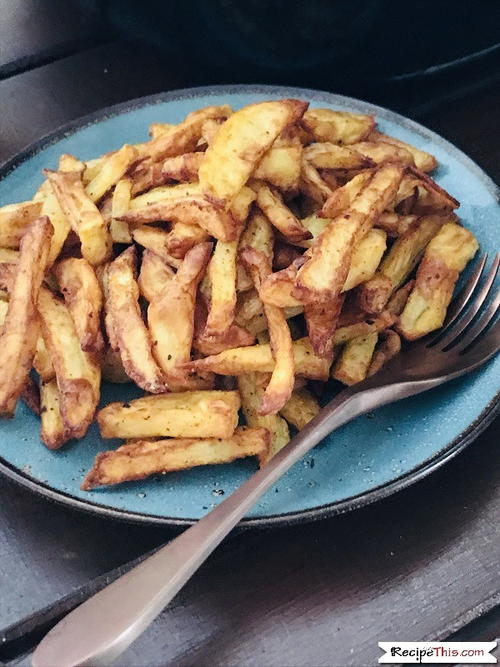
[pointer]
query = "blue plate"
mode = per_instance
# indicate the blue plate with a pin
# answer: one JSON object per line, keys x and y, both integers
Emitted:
{"x": 365, "y": 460}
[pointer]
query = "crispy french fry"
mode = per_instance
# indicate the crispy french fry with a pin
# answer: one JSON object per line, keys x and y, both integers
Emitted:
{"x": 365, "y": 258}
{"x": 280, "y": 385}
{"x": 139, "y": 459}
{"x": 431, "y": 196}
{"x": 83, "y": 297}
{"x": 398, "y": 300}
{"x": 60, "y": 223}
{"x": 400, "y": 261}
{"x": 342, "y": 198}
{"x": 82, "y": 214}
{"x": 328, "y": 155}
{"x": 359, "y": 329}
{"x": 182, "y": 167}
{"x": 323, "y": 275}
{"x": 182, "y": 237}
{"x": 313, "y": 185}
{"x": 120, "y": 204}
{"x": 15, "y": 220}
{"x": 132, "y": 337}
{"x": 53, "y": 432}
{"x": 379, "y": 152}
{"x": 387, "y": 348}
{"x": 158, "y": 129}
{"x": 396, "y": 225}
{"x": 321, "y": 320}
{"x": 68, "y": 162}
{"x": 251, "y": 388}
{"x": 240, "y": 144}
{"x": 20, "y": 329}
{"x": 424, "y": 161}
{"x": 172, "y": 337}
{"x": 113, "y": 168}
{"x": 156, "y": 240}
{"x": 284, "y": 255}
{"x": 154, "y": 276}
{"x": 301, "y": 407}
{"x": 147, "y": 175}
{"x": 190, "y": 414}
{"x": 164, "y": 192}
{"x": 278, "y": 214}
{"x": 77, "y": 374}
{"x": 339, "y": 127}
{"x": 445, "y": 257}
{"x": 259, "y": 358}
{"x": 258, "y": 234}
{"x": 209, "y": 129}
{"x": 42, "y": 362}
{"x": 280, "y": 166}
{"x": 354, "y": 361}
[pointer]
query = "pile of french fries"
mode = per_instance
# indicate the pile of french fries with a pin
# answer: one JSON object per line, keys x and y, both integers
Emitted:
{"x": 230, "y": 262}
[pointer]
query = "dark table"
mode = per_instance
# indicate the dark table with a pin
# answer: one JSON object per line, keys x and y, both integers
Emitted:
{"x": 421, "y": 565}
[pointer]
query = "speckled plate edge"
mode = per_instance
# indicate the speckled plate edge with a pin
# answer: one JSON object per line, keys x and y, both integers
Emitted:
{"x": 323, "y": 511}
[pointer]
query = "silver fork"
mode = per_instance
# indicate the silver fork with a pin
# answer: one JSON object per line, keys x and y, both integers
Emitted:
{"x": 99, "y": 630}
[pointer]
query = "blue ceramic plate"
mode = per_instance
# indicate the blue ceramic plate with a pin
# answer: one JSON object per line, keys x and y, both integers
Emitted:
{"x": 367, "y": 459}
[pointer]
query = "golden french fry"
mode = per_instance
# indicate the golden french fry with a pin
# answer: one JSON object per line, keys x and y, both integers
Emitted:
{"x": 280, "y": 166}
{"x": 158, "y": 129}
{"x": 354, "y": 361}
{"x": 164, "y": 192}
{"x": 313, "y": 185}
{"x": 424, "y": 161}
{"x": 68, "y": 162}
{"x": 120, "y": 204}
{"x": 209, "y": 129}
{"x": 300, "y": 408}
{"x": 342, "y": 197}
{"x": 395, "y": 225}
{"x": 386, "y": 349}
{"x": 259, "y": 358}
{"x": 113, "y": 168}
{"x": 154, "y": 276}
{"x": 189, "y": 414}
{"x": 15, "y": 220}
{"x": 359, "y": 329}
{"x": 83, "y": 297}
{"x": 325, "y": 271}
{"x": 82, "y": 214}
{"x": 365, "y": 258}
{"x": 78, "y": 375}
{"x": 278, "y": 214}
{"x": 156, "y": 240}
{"x": 445, "y": 257}
{"x": 131, "y": 335}
{"x": 240, "y": 144}
{"x": 182, "y": 167}
{"x": 141, "y": 458}
{"x": 339, "y": 127}
{"x": 42, "y": 361}
{"x": 379, "y": 152}
{"x": 20, "y": 329}
{"x": 328, "y": 155}
{"x": 251, "y": 388}
{"x": 60, "y": 223}
{"x": 53, "y": 432}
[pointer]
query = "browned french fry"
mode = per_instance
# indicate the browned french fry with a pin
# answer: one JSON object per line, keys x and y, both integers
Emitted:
{"x": 431, "y": 195}
{"x": 398, "y": 300}
{"x": 278, "y": 214}
{"x": 342, "y": 198}
{"x": 120, "y": 204}
{"x": 147, "y": 175}
{"x": 235, "y": 336}
{"x": 82, "y": 214}
{"x": 424, "y": 161}
{"x": 7, "y": 273}
{"x": 83, "y": 297}
{"x": 158, "y": 129}
{"x": 182, "y": 167}
{"x": 78, "y": 375}
{"x": 156, "y": 240}
{"x": 313, "y": 185}
{"x": 339, "y": 127}
{"x": 359, "y": 329}
{"x": 154, "y": 276}
{"x": 20, "y": 329}
{"x": 284, "y": 255}
{"x": 379, "y": 152}
{"x": 395, "y": 225}
{"x": 251, "y": 387}
{"x": 354, "y": 361}
{"x": 15, "y": 220}
{"x": 189, "y": 414}
{"x": 172, "y": 336}
{"x": 301, "y": 407}
{"x": 259, "y": 358}
{"x": 280, "y": 166}
{"x": 325, "y": 271}
{"x": 328, "y": 155}
{"x": 113, "y": 168}
{"x": 240, "y": 144}
{"x": 445, "y": 257}
{"x": 386, "y": 349}
{"x": 53, "y": 432}
{"x": 280, "y": 385}
{"x": 321, "y": 320}
{"x": 139, "y": 459}
{"x": 132, "y": 337}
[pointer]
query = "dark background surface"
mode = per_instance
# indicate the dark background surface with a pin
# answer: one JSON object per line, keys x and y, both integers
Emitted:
{"x": 421, "y": 565}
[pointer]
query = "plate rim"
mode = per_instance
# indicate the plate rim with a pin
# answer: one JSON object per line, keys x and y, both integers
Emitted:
{"x": 449, "y": 451}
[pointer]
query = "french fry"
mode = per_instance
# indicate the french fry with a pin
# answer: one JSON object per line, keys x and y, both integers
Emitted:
{"x": 379, "y": 152}
{"x": 395, "y": 225}
{"x": 158, "y": 129}
{"x": 280, "y": 385}
{"x": 9, "y": 256}
{"x": 431, "y": 196}
{"x": 400, "y": 261}
{"x": 42, "y": 362}
{"x": 113, "y": 168}
{"x": 172, "y": 337}
{"x": 387, "y": 348}
{"x": 77, "y": 374}
{"x": 325, "y": 271}
{"x": 300, "y": 408}
{"x": 15, "y": 220}
{"x": 82, "y": 214}
{"x": 164, "y": 192}
{"x": 132, "y": 337}
{"x": 251, "y": 390}
{"x": 240, "y": 144}
{"x": 348, "y": 332}
{"x": 259, "y": 358}
{"x": 189, "y": 414}
{"x": 424, "y": 161}
{"x": 342, "y": 198}
{"x": 20, "y": 329}
{"x": 154, "y": 276}
{"x": 68, "y": 162}
{"x": 339, "y": 127}
{"x": 354, "y": 361}
{"x": 321, "y": 320}
{"x": 398, "y": 300}
{"x": 280, "y": 166}
{"x": 182, "y": 167}
{"x": 83, "y": 297}
{"x": 258, "y": 234}
{"x": 284, "y": 255}
{"x": 147, "y": 175}
{"x": 328, "y": 155}
{"x": 142, "y": 458}
{"x": 120, "y": 204}
{"x": 157, "y": 240}
{"x": 278, "y": 214}
{"x": 182, "y": 138}
{"x": 60, "y": 224}
{"x": 53, "y": 432}
{"x": 209, "y": 129}
{"x": 445, "y": 257}
{"x": 312, "y": 185}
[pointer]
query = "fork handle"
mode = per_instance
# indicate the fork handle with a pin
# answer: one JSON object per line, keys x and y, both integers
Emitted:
{"x": 100, "y": 629}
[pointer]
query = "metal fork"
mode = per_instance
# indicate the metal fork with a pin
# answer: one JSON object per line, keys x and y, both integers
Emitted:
{"x": 100, "y": 629}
